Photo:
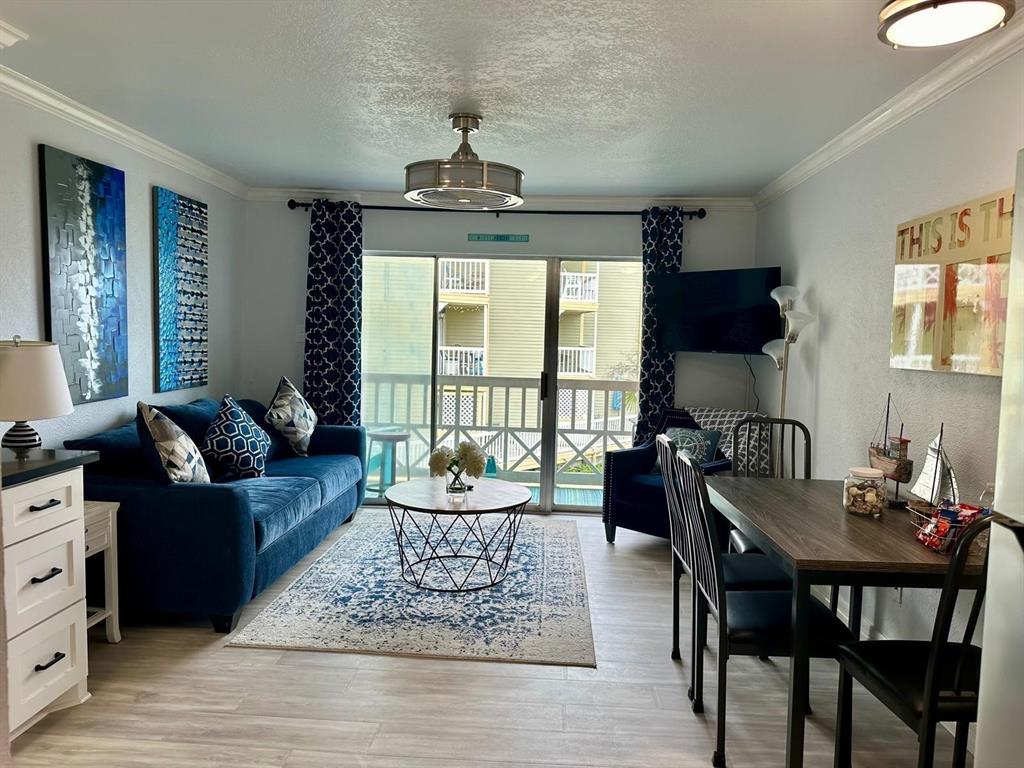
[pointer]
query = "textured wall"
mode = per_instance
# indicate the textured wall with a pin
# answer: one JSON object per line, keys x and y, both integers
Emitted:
{"x": 21, "y": 263}
{"x": 835, "y": 237}
{"x": 276, "y": 244}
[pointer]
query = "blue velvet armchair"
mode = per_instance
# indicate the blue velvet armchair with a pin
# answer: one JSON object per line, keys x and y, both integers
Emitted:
{"x": 634, "y": 496}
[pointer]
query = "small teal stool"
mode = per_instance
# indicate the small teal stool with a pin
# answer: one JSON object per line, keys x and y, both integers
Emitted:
{"x": 389, "y": 442}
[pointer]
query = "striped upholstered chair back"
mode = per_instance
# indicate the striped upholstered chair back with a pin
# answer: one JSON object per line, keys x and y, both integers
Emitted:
{"x": 705, "y": 552}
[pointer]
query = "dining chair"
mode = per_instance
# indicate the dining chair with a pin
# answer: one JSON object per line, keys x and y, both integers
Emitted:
{"x": 759, "y": 449}
{"x": 750, "y": 622}
{"x": 740, "y": 571}
{"x": 923, "y": 682}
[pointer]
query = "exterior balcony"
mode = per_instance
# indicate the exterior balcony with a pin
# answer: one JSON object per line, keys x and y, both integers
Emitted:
{"x": 577, "y": 361}
{"x": 578, "y": 292}
{"x": 460, "y": 361}
{"x": 464, "y": 281}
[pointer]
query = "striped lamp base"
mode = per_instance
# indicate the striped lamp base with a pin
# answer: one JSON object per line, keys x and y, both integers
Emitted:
{"x": 21, "y": 438}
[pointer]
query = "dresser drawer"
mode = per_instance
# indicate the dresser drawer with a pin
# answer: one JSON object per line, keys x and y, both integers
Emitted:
{"x": 43, "y": 575}
{"x": 40, "y": 505}
{"x": 44, "y": 662}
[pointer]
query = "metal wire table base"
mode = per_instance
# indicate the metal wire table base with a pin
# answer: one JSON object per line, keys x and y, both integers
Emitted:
{"x": 446, "y": 551}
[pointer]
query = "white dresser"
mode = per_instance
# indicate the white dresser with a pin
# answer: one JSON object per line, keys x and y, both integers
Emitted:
{"x": 44, "y": 584}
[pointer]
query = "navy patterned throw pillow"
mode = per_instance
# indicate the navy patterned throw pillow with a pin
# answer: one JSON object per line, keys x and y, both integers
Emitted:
{"x": 701, "y": 444}
{"x": 236, "y": 443}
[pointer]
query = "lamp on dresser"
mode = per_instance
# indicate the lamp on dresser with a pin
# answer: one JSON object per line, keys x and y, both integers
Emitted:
{"x": 33, "y": 386}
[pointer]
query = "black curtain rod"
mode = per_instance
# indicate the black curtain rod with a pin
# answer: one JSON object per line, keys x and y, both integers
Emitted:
{"x": 699, "y": 213}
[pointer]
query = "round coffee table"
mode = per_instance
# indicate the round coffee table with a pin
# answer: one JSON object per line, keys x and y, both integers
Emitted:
{"x": 456, "y": 546}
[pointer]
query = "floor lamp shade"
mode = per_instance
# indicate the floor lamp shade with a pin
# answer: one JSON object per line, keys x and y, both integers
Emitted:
{"x": 33, "y": 385}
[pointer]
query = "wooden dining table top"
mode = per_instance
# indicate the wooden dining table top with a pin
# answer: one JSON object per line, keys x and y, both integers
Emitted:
{"x": 805, "y": 524}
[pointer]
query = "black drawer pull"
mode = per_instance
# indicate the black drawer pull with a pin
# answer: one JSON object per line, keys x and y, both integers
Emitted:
{"x": 48, "y": 505}
{"x": 55, "y": 571}
{"x": 56, "y": 657}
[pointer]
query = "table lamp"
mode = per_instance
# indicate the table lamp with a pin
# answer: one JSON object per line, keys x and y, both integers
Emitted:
{"x": 33, "y": 386}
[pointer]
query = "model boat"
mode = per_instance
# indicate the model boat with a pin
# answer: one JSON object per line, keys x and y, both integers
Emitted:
{"x": 889, "y": 453}
{"x": 937, "y": 480}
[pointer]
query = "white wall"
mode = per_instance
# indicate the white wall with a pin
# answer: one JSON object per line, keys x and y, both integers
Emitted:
{"x": 274, "y": 276}
{"x": 22, "y": 127}
{"x": 834, "y": 236}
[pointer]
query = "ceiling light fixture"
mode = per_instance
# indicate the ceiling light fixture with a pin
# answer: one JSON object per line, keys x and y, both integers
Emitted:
{"x": 464, "y": 182}
{"x": 930, "y": 23}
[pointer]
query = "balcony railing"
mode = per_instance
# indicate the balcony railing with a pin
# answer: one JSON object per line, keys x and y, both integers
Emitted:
{"x": 577, "y": 360}
{"x": 503, "y": 416}
{"x": 579, "y": 286}
{"x": 460, "y": 361}
{"x": 464, "y": 276}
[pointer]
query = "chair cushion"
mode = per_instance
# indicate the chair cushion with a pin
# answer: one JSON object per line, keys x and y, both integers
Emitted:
{"x": 753, "y": 572}
{"x": 741, "y": 544}
{"x": 278, "y": 504}
{"x": 762, "y": 620}
{"x": 894, "y": 671}
{"x": 235, "y": 443}
{"x": 335, "y": 473}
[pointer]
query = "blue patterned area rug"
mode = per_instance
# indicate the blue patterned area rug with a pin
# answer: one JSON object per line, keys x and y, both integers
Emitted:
{"x": 354, "y": 600}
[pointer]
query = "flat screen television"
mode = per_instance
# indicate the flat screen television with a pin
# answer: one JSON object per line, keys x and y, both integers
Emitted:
{"x": 721, "y": 310}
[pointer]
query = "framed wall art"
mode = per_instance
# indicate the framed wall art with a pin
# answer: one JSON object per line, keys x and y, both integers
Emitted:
{"x": 86, "y": 287}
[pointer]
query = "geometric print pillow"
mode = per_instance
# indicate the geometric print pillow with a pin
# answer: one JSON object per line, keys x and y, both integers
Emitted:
{"x": 236, "y": 443}
{"x": 292, "y": 416}
{"x": 177, "y": 454}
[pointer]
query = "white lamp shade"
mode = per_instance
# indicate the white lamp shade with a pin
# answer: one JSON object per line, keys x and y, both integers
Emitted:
{"x": 785, "y": 295}
{"x": 776, "y": 350}
{"x": 33, "y": 384}
{"x": 796, "y": 322}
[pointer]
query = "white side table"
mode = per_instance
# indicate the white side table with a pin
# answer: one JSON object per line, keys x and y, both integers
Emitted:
{"x": 101, "y": 536}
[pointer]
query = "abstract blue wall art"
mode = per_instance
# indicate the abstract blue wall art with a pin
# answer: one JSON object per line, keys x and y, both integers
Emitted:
{"x": 181, "y": 248}
{"x": 86, "y": 287}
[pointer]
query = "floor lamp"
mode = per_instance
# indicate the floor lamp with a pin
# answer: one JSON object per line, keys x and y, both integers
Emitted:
{"x": 778, "y": 349}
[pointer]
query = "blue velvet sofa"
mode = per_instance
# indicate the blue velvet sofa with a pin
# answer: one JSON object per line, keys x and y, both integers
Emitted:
{"x": 634, "y": 496}
{"x": 209, "y": 549}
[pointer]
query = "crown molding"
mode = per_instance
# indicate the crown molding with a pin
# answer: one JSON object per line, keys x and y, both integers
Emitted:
{"x": 952, "y": 74}
{"x": 10, "y": 34}
{"x": 28, "y": 91}
{"x": 535, "y": 202}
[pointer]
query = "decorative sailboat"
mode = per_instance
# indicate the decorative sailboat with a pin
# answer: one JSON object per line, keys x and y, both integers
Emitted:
{"x": 937, "y": 480}
{"x": 889, "y": 454}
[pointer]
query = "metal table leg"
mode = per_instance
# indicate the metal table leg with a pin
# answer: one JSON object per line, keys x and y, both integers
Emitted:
{"x": 798, "y": 672}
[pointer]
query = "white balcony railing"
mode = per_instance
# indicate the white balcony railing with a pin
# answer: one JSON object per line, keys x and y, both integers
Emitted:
{"x": 464, "y": 276}
{"x": 579, "y": 286}
{"x": 577, "y": 360}
{"x": 460, "y": 361}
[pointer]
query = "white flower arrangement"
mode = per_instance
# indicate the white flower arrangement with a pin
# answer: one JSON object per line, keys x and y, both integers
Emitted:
{"x": 466, "y": 458}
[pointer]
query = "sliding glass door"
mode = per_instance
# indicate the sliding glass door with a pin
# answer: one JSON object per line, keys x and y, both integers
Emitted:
{"x": 532, "y": 359}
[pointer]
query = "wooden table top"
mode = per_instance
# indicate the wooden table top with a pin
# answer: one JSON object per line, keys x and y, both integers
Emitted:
{"x": 805, "y": 523}
{"x": 423, "y": 495}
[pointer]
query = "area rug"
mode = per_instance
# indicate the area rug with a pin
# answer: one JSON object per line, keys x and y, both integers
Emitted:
{"x": 353, "y": 599}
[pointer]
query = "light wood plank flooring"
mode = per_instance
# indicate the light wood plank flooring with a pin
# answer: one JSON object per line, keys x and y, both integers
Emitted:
{"x": 176, "y": 696}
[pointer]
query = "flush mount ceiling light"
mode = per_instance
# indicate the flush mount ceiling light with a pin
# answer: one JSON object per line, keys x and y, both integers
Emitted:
{"x": 464, "y": 182}
{"x": 929, "y": 23}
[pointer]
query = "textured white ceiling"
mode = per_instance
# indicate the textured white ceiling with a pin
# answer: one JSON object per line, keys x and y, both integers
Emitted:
{"x": 665, "y": 97}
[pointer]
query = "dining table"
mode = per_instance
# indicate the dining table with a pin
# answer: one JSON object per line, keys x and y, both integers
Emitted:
{"x": 803, "y": 527}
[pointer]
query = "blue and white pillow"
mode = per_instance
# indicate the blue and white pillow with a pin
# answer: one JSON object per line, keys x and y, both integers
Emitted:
{"x": 167, "y": 446}
{"x": 236, "y": 443}
{"x": 292, "y": 416}
{"x": 700, "y": 444}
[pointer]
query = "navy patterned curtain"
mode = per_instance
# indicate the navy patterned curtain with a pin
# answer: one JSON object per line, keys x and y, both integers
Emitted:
{"x": 662, "y": 250}
{"x": 334, "y": 311}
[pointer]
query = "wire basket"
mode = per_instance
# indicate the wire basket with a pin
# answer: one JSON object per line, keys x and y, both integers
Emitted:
{"x": 939, "y": 528}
